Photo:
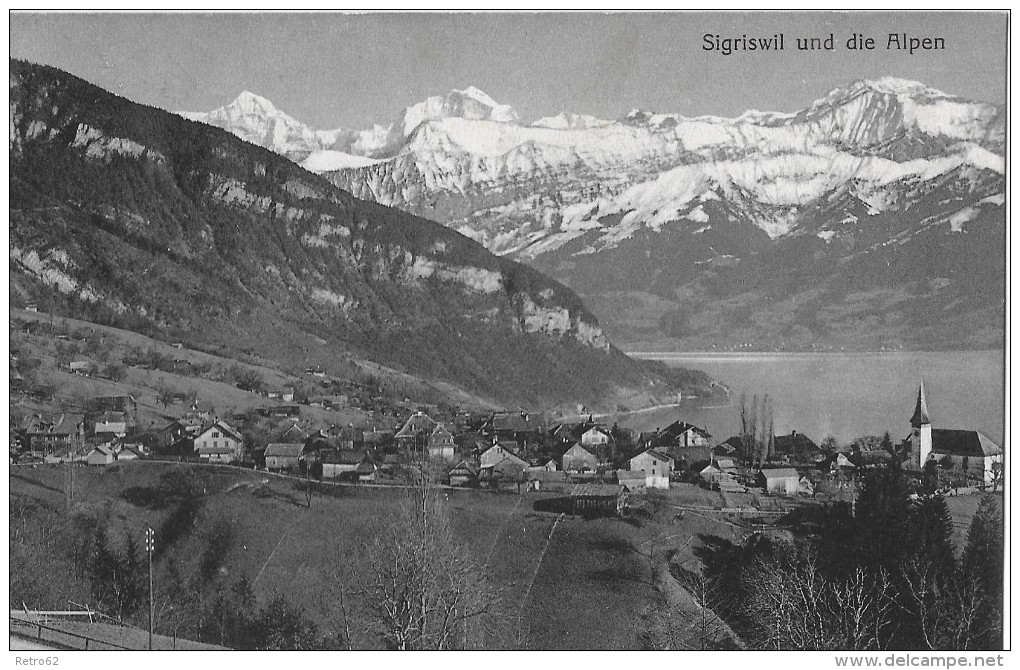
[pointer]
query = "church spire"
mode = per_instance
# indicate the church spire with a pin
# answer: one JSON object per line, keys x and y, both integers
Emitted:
{"x": 920, "y": 410}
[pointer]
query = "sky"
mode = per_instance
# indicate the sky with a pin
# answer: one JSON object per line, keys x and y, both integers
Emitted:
{"x": 345, "y": 70}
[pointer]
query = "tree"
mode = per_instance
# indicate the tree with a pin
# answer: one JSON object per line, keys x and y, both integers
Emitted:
{"x": 165, "y": 395}
{"x": 983, "y": 562}
{"x": 250, "y": 380}
{"x": 886, "y": 443}
{"x": 115, "y": 372}
{"x": 282, "y": 626}
{"x": 425, "y": 590}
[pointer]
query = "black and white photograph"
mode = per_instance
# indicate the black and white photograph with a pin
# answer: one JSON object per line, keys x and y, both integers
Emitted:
{"x": 509, "y": 331}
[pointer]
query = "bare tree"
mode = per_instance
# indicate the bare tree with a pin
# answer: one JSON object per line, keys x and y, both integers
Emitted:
{"x": 947, "y": 608}
{"x": 795, "y": 606}
{"x": 425, "y": 591}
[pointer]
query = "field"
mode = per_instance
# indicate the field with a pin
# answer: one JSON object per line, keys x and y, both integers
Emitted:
{"x": 587, "y": 589}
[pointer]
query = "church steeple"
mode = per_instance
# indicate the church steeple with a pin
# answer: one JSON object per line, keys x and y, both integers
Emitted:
{"x": 920, "y": 417}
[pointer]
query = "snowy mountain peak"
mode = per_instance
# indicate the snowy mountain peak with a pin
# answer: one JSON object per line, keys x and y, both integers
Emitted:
{"x": 250, "y": 102}
{"x": 470, "y": 103}
{"x": 570, "y": 121}
{"x": 897, "y": 86}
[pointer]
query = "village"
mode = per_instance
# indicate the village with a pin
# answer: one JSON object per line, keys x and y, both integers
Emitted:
{"x": 598, "y": 465}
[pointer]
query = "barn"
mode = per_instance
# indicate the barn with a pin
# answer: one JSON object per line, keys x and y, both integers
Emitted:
{"x": 780, "y": 481}
{"x": 596, "y": 499}
{"x": 283, "y": 456}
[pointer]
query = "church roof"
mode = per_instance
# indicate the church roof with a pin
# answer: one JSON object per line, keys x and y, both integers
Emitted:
{"x": 920, "y": 410}
{"x": 962, "y": 443}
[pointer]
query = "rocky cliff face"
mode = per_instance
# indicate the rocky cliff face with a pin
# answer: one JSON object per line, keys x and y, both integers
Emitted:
{"x": 149, "y": 218}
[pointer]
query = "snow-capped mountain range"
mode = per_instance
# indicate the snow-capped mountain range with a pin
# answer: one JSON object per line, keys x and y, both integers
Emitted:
{"x": 583, "y": 198}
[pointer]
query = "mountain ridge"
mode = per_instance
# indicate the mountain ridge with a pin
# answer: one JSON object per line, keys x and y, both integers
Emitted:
{"x": 134, "y": 215}
{"x": 867, "y": 168}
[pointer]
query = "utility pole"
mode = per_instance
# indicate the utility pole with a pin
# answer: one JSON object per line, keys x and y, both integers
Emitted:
{"x": 150, "y": 545}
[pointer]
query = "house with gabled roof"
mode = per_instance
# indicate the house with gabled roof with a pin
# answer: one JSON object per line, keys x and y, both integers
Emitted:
{"x": 464, "y": 473}
{"x": 219, "y": 443}
{"x": 283, "y": 455}
{"x": 796, "y": 447}
{"x": 656, "y": 465}
{"x": 415, "y": 432}
{"x": 578, "y": 459}
{"x": 441, "y": 444}
{"x": 101, "y": 455}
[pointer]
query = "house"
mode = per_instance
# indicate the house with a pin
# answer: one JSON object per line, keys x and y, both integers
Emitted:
{"x": 464, "y": 474}
{"x": 498, "y": 464}
{"x": 781, "y": 481}
{"x": 129, "y": 452}
{"x": 283, "y": 455}
{"x": 796, "y": 447}
{"x": 540, "y": 464}
{"x": 732, "y": 448}
{"x": 656, "y": 465}
{"x": 113, "y": 424}
{"x": 578, "y": 459}
{"x": 519, "y": 427}
{"x": 162, "y": 438}
{"x": 682, "y": 434}
{"x": 836, "y": 461}
{"x": 366, "y": 471}
{"x": 46, "y": 434}
{"x": 376, "y": 437}
{"x": 338, "y": 463}
{"x": 286, "y": 394}
{"x": 101, "y": 455}
{"x": 597, "y": 499}
{"x": 717, "y": 478}
{"x": 632, "y": 480}
{"x": 293, "y": 434}
{"x": 495, "y": 454}
{"x": 83, "y": 368}
{"x": 968, "y": 451}
{"x": 114, "y": 403}
{"x": 595, "y": 436}
{"x": 219, "y": 443}
{"x": 726, "y": 464}
{"x": 441, "y": 444}
{"x": 415, "y": 431}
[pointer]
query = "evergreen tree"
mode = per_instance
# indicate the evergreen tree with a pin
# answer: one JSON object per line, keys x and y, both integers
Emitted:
{"x": 883, "y": 518}
{"x": 983, "y": 562}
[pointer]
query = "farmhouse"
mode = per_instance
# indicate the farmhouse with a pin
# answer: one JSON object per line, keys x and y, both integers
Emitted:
{"x": 781, "y": 481}
{"x": 656, "y": 466}
{"x": 283, "y": 456}
{"x": 796, "y": 447}
{"x": 966, "y": 450}
{"x": 578, "y": 459}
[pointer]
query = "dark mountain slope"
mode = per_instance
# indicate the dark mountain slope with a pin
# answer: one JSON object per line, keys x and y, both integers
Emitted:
{"x": 144, "y": 219}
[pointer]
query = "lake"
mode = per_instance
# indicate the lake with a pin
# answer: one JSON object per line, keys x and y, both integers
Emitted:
{"x": 845, "y": 395}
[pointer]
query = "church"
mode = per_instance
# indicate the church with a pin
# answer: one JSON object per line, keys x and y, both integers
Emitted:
{"x": 967, "y": 451}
